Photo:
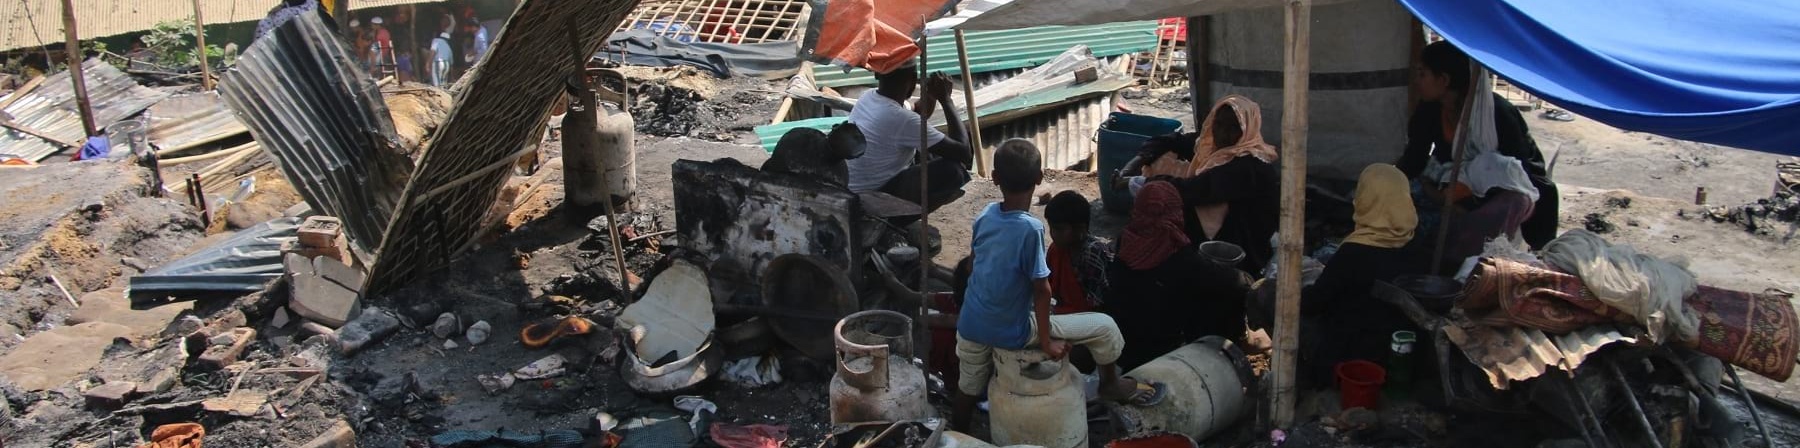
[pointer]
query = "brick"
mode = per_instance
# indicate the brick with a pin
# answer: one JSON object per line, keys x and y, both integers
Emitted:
{"x": 335, "y": 252}
{"x": 111, "y": 395}
{"x": 320, "y": 231}
{"x": 219, "y": 356}
{"x": 340, "y": 435}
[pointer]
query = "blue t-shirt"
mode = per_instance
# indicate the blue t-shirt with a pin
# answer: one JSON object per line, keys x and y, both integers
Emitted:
{"x": 1009, "y": 255}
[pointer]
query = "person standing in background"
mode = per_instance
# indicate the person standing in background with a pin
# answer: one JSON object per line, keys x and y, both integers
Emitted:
{"x": 441, "y": 54}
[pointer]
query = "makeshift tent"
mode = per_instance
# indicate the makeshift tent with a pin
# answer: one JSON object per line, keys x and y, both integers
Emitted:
{"x": 1714, "y": 72}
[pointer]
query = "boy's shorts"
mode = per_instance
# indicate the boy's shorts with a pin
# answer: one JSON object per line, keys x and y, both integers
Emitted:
{"x": 1095, "y": 331}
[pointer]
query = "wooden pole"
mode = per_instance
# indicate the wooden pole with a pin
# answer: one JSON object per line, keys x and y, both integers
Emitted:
{"x": 1458, "y": 147}
{"x": 72, "y": 53}
{"x": 1199, "y": 81}
{"x": 206, "y": 79}
{"x": 974, "y": 128}
{"x": 1294, "y": 87}
{"x": 922, "y": 333}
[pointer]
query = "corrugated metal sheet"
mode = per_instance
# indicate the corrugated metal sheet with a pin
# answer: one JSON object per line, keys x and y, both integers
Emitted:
{"x": 51, "y": 108}
{"x": 1064, "y": 136}
{"x": 310, "y": 106}
{"x": 187, "y": 120}
{"x": 37, "y": 23}
{"x": 498, "y": 112}
{"x": 1000, "y": 50}
{"x": 1510, "y": 354}
{"x": 246, "y": 262}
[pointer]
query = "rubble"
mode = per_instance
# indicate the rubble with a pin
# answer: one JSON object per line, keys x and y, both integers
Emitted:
{"x": 447, "y": 325}
{"x": 374, "y": 325}
{"x": 548, "y": 367}
{"x": 1763, "y": 217}
{"x": 478, "y": 333}
{"x": 111, "y": 395}
{"x": 220, "y": 355}
{"x": 323, "y": 289}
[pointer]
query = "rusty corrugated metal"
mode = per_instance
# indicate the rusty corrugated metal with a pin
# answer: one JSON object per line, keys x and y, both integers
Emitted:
{"x": 1065, "y": 136}
{"x": 498, "y": 112}
{"x": 188, "y": 120}
{"x": 1511, "y": 354}
{"x": 50, "y": 109}
{"x": 37, "y": 23}
{"x": 310, "y": 106}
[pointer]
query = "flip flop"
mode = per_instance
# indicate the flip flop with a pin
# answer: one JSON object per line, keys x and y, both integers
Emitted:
{"x": 1148, "y": 393}
{"x": 1558, "y": 115}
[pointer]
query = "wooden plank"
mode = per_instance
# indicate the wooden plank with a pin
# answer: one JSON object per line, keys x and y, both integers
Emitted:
{"x": 23, "y": 90}
{"x": 9, "y": 124}
{"x": 1294, "y": 86}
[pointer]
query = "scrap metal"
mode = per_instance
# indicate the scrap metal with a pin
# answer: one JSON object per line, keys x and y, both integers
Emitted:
{"x": 245, "y": 263}
{"x": 50, "y": 109}
{"x": 1511, "y": 354}
{"x": 1010, "y": 49}
{"x": 499, "y": 111}
{"x": 310, "y": 106}
{"x": 186, "y": 121}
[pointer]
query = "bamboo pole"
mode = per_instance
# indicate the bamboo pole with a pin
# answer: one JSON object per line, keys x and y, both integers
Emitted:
{"x": 1294, "y": 87}
{"x": 1458, "y": 147}
{"x": 72, "y": 53}
{"x": 974, "y": 128}
{"x": 922, "y": 234}
{"x": 206, "y": 79}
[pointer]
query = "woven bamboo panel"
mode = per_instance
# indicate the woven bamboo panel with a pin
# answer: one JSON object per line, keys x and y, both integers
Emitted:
{"x": 498, "y": 111}
{"x": 722, "y": 21}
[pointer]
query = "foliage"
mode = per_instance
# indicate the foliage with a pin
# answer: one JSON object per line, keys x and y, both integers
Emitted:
{"x": 172, "y": 43}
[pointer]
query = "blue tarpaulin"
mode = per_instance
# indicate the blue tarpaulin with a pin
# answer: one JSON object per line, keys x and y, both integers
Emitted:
{"x": 1722, "y": 72}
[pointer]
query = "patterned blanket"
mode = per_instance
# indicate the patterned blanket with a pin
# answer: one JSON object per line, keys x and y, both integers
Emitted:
{"x": 1758, "y": 332}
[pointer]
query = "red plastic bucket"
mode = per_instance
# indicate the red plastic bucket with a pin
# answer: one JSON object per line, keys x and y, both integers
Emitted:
{"x": 1359, "y": 383}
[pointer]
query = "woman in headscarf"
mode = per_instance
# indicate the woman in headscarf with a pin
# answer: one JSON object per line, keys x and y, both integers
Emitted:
{"x": 1500, "y": 199}
{"x": 1341, "y": 320}
{"x": 1160, "y": 291}
{"x": 1231, "y": 186}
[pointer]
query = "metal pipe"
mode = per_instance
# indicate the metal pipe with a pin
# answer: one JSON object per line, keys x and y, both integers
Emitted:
{"x": 1748, "y": 403}
{"x": 1637, "y": 410}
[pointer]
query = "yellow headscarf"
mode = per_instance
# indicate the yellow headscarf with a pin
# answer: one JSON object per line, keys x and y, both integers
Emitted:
{"x": 1384, "y": 210}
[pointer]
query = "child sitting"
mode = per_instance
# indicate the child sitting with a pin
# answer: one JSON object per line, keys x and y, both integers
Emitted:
{"x": 1007, "y": 301}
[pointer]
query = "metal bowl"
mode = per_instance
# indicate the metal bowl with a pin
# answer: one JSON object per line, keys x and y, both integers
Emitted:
{"x": 1223, "y": 253}
{"x": 1436, "y": 293}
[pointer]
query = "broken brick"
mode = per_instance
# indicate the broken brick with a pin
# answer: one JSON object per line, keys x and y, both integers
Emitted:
{"x": 223, "y": 355}
{"x": 323, "y": 291}
{"x": 111, "y": 395}
{"x": 320, "y": 231}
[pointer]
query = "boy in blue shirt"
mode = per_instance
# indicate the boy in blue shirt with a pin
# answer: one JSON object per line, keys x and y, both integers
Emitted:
{"x": 1007, "y": 298}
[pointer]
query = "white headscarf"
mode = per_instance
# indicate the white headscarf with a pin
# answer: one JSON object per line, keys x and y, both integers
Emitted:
{"x": 1484, "y": 168}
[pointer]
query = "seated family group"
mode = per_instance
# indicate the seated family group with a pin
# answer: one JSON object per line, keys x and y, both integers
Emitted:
{"x": 1050, "y": 285}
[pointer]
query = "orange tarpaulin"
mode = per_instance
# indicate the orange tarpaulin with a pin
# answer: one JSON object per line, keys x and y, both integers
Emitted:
{"x": 878, "y": 37}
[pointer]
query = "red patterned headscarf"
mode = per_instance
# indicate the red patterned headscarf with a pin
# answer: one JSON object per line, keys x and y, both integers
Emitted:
{"x": 1155, "y": 231}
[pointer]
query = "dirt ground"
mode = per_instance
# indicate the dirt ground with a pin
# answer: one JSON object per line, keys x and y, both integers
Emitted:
{"x": 409, "y": 386}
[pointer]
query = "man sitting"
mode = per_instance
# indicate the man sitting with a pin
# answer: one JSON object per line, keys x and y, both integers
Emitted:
{"x": 892, "y": 133}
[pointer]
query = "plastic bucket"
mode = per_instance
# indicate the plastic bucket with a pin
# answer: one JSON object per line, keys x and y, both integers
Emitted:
{"x": 1120, "y": 138}
{"x": 1359, "y": 384}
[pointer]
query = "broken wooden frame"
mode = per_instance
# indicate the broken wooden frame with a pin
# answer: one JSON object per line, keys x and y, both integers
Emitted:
{"x": 722, "y": 21}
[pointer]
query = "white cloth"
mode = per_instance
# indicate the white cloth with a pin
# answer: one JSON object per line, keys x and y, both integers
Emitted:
{"x": 892, "y": 132}
{"x": 1492, "y": 170}
{"x": 1643, "y": 286}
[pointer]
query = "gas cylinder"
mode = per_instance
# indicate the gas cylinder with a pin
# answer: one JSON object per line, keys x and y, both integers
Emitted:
{"x": 876, "y": 378}
{"x": 1208, "y": 381}
{"x": 1025, "y": 410}
{"x": 599, "y": 149}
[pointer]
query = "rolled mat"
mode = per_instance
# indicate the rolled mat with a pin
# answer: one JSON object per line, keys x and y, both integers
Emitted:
{"x": 1758, "y": 332}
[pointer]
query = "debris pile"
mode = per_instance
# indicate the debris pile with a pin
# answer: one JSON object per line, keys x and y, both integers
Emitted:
{"x": 1768, "y": 216}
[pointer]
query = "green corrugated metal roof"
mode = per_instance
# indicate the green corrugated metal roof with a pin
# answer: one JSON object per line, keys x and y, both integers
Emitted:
{"x": 769, "y": 134}
{"x": 1010, "y": 49}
